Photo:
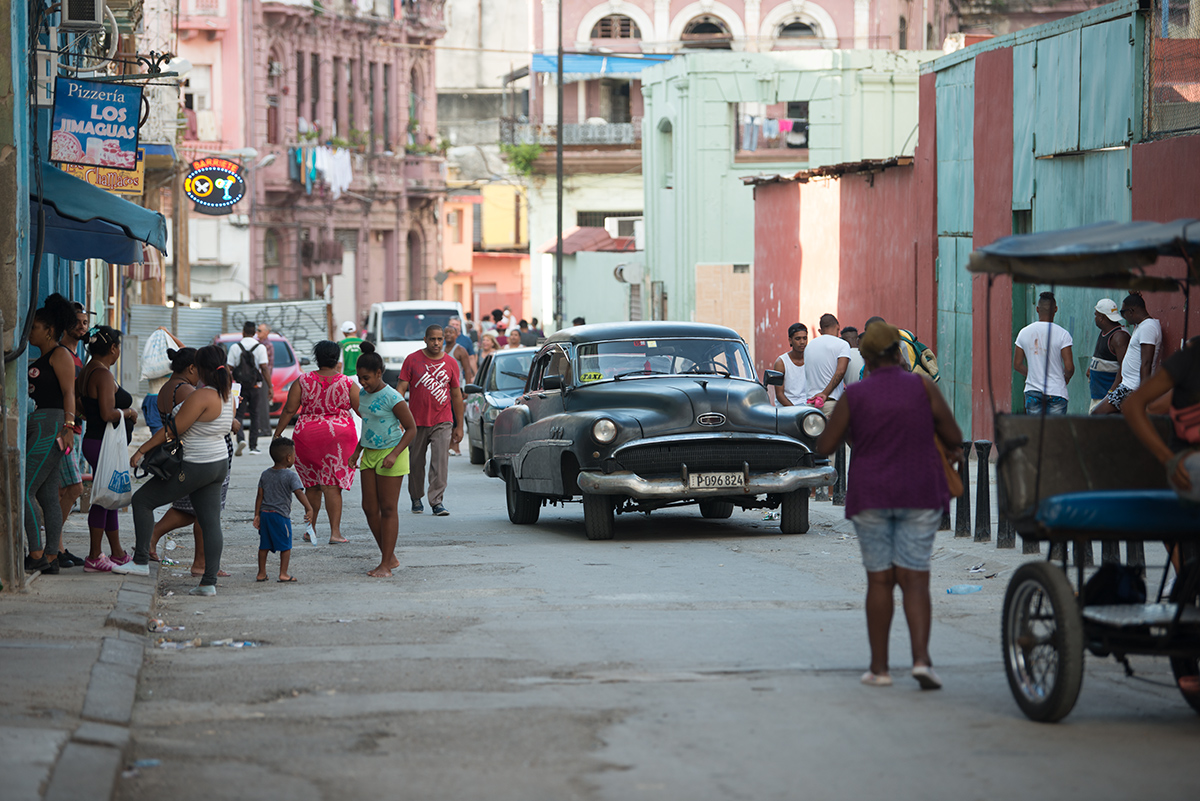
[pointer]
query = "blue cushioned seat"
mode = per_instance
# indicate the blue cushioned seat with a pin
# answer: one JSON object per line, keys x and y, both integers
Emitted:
{"x": 1159, "y": 512}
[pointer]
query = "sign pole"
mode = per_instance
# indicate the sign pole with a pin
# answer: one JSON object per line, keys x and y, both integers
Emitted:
{"x": 558, "y": 172}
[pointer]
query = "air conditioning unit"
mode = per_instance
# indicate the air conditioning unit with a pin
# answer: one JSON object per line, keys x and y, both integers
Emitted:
{"x": 82, "y": 14}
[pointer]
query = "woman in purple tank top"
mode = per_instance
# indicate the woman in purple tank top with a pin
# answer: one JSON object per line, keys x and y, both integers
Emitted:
{"x": 896, "y": 491}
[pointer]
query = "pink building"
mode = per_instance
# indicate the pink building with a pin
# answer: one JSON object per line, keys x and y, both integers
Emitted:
{"x": 344, "y": 100}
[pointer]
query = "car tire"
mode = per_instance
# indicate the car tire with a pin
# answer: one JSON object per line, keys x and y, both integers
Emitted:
{"x": 716, "y": 510}
{"x": 476, "y": 455}
{"x": 523, "y": 507}
{"x": 598, "y": 517}
{"x": 793, "y": 512}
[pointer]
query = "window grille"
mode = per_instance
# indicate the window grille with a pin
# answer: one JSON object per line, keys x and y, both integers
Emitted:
{"x": 1172, "y": 70}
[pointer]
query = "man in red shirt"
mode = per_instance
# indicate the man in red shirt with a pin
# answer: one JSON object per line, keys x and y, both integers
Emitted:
{"x": 430, "y": 377}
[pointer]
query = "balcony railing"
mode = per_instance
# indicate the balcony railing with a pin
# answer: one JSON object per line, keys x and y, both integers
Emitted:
{"x": 425, "y": 173}
{"x": 513, "y": 132}
{"x": 205, "y": 8}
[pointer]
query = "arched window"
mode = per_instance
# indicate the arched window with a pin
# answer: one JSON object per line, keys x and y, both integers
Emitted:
{"x": 274, "y": 82}
{"x": 616, "y": 26}
{"x": 708, "y": 31}
{"x": 903, "y": 33}
{"x": 796, "y": 30}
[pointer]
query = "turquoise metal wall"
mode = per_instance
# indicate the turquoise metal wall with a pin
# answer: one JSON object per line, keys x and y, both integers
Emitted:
{"x": 955, "y": 89}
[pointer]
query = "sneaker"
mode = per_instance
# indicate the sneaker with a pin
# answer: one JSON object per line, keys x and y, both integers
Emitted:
{"x": 255, "y": 452}
{"x": 51, "y": 568}
{"x": 440, "y": 510}
{"x": 34, "y": 565}
{"x": 418, "y": 508}
{"x": 132, "y": 569}
{"x": 101, "y": 564}
{"x": 68, "y": 559}
{"x": 203, "y": 589}
{"x": 120, "y": 560}
{"x": 241, "y": 447}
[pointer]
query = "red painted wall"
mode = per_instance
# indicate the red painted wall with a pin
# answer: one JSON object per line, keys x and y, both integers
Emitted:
{"x": 879, "y": 249}
{"x": 1165, "y": 189}
{"x": 993, "y": 219}
{"x": 925, "y": 175}
{"x": 776, "y": 268}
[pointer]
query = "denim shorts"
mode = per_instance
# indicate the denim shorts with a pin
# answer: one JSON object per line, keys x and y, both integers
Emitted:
{"x": 1054, "y": 403}
{"x": 896, "y": 537}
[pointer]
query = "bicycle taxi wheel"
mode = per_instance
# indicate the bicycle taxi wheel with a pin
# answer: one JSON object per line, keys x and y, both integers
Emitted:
{"x": 1042, "y": 634}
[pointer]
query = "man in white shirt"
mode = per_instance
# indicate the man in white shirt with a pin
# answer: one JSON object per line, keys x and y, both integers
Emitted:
{"x": 251, "y": 385}
{"x": 1043, "y": 355}
{"x": 1142, "y": 355}
{"x": 854, "y": 373}
{"x": 826, "y": 360}
{"x": 791, "y": 364}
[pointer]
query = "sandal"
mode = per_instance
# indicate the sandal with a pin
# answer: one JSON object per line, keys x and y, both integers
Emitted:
{"x": 872, "y": 680}
{"x": 927, "y": 678}
{"x": 338, "y": 542}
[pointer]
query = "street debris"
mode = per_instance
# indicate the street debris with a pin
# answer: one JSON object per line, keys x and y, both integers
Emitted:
{"x": 135, "y": 768}
{"x": 773, "y": 515}
{"x": 171, "y": 544}
{"x": 963, "y": 589}
{"x": 179, "y": 645}
{"x": 168, "y": 562}
{"x": 976, "y": 568}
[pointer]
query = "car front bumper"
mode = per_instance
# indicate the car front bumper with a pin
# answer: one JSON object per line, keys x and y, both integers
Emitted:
{"x": 668, "y": 487}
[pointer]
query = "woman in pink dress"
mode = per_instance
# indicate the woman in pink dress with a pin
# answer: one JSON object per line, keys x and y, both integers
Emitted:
{"x": 325, "y": 434}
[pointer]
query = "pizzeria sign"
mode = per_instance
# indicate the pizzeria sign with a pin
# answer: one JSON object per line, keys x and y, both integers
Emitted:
{"x": 95, "y": 124}
{"x": 214, "y": 185}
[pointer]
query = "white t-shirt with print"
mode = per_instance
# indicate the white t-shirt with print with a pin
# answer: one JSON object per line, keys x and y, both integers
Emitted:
{"x": 1045, "y": 375}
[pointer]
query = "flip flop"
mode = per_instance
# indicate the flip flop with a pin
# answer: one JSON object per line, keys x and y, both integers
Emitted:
{"x": 871, "y": 680}
{"x": 927, "y": 678}
{"x": 287, "y": 580}
{"x": 264, "y": 578}
{"x": 153, "y": 556}
{"x": 338, "y": 542}
{"x": 220, "y": 574}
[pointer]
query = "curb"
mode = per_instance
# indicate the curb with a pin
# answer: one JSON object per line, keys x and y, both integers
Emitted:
{"x": 93, "y": 757}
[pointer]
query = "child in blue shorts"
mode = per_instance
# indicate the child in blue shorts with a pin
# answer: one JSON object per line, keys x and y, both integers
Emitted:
{"x": 273, "y": 508}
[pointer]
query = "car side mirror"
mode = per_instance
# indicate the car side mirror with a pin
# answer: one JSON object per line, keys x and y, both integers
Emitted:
{"x": 304, "y": 361}
{"x": 773, "y": 378}
{"x": 472, "y": 389}
{"x": 552, "y": 382}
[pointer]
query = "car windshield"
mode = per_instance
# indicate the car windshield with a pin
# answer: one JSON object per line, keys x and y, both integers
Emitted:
{"x": 283, "y": 354}
{"x": 630, "y": 358}
{"x": 509, "y": 371}
{"x": 409, "y": 324}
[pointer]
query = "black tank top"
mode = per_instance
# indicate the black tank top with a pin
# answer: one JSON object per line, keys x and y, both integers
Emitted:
{"x": 91, "y": 410}
{"x": 1103, "y": 351}
{"x": 43, "y": 382}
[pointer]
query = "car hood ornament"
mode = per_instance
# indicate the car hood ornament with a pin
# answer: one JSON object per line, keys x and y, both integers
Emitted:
{"x": 711, "y": 419}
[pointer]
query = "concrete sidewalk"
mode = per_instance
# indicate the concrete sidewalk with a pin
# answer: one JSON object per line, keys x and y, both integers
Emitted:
{"x": 72, "y": 646}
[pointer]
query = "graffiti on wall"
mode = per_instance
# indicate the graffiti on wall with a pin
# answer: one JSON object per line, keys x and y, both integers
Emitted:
{"x": 304, "y": 323}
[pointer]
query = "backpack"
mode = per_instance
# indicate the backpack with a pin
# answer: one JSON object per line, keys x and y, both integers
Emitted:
{"x": 917, "y": 355}
{"x": 246, "y": 371}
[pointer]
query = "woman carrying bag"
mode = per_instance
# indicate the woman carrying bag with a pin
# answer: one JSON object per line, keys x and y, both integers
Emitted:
{"x": 103, "y": 402}
{"x": 202, "y": 422}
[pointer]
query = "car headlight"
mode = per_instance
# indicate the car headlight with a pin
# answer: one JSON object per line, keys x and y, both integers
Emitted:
{"x": 491, "y": 414}
{"x": 604, "y": 431}
{"x": 813, "y": 424}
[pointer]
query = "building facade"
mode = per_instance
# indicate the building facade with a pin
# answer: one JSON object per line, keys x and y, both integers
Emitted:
{"x": 345, "y": 195}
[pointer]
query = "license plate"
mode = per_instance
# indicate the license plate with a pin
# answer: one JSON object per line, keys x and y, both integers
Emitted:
{"x": 711, "y": 480}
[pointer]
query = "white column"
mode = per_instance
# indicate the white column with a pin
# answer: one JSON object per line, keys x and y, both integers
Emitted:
{"x": 753, "y": 22}
{"x": 550, "y": 47}
{"x": 581, "y": 101}
{"x": 862, "y": 24}
{"x": 662, "y": 25}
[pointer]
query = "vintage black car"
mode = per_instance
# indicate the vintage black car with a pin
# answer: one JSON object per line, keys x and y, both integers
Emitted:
{"x": 643, "y": 415}
{"x": 499, "y": 382}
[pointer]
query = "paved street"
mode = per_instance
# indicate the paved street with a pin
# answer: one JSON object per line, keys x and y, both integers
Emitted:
{"x": 687, "y": 659}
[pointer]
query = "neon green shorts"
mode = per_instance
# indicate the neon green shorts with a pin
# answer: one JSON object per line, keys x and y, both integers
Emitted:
{"x": 373, "y": 460}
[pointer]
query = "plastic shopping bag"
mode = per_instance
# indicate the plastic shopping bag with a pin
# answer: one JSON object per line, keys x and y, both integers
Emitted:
{"x": 112, "y": 484}
{"x": 155, "y": 362}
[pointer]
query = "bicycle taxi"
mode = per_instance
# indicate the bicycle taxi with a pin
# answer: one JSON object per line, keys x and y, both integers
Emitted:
{"x": 1077, "y": 479}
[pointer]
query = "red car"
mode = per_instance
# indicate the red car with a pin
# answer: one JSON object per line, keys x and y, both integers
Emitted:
{"x": 286, "y": 369}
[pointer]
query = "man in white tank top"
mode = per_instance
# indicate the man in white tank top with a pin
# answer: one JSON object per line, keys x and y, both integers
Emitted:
{"x": 791, "y": 364}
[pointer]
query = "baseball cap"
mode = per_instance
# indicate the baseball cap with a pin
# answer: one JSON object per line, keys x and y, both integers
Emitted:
{"x": 877, "y": 339}
{"x": 1108, "y": 307}
{"x": 349, "y": 327}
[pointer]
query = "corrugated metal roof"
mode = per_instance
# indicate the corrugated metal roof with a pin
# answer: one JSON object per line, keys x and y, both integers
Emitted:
{"x": 831, "y": 171}
{"x": 588, "y": 239}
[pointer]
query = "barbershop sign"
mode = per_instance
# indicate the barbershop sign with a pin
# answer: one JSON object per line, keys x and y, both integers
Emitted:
{"x": 214, "y": 185}
{"x": 95, "y": 124}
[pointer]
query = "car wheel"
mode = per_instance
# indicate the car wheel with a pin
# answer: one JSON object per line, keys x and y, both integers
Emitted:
{"x": 523, "y": 507}
{"x": 598, "y": 516}
{"x": 793, "y": 512}
{"x": 716, "y": 510}
{"x": 476, "y": 455}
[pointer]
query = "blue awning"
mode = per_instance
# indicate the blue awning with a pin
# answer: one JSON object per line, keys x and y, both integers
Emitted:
{"x": 597, "y": 64}
{"x": 85, "y": 222}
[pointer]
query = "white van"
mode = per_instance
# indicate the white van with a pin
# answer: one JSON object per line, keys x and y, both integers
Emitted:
{"x": 398, "y": 328}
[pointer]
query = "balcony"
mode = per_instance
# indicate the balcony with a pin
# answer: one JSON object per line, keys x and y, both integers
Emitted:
{"x": 620, "y": 134}
{"x": 319, "y": 258}
{"x": 424, "y": 175}
{"x": 204, "y": 8}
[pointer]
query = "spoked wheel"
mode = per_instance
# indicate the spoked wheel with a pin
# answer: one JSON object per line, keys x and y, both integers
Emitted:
{"x": 1186, "y": 668}
{"x": 523, "y": 507}
{"x": 1042, "y": 634}
{"x": 598, "y": 516}
{"x": 716, "y": 510}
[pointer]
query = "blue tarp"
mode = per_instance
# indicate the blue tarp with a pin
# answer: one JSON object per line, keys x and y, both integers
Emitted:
{"x": 86, "y": 222}
{"x": 598, "y": 64}
{"x": 1106, "y": 254}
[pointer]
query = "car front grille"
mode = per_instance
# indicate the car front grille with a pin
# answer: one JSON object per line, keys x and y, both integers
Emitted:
{"x": 662, "y": 459}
